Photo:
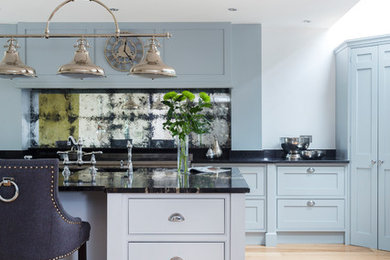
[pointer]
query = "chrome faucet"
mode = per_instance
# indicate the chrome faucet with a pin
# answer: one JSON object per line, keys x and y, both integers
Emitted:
{"x": 129, "y": 165}
{"x": 129, "y": 157}
{"x": 79, "y": 147}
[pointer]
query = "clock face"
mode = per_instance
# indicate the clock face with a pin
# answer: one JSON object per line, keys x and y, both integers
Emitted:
{"x": 122, "y": 53}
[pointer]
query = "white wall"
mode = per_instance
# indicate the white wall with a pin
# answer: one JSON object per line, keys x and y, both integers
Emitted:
{"x": 298, "y": 74}
{"x": 298, "y": 86}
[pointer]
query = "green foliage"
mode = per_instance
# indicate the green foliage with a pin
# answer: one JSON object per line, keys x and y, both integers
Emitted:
{"x": 184, "y": 114}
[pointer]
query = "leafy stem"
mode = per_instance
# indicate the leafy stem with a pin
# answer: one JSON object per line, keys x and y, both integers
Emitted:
{"x": 184, "y": 114}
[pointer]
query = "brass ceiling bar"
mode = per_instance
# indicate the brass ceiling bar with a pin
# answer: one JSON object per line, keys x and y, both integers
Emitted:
{"x": 117, "y": 31}
{"x": 52, "y": 14}
{"x": 104, "y": 35}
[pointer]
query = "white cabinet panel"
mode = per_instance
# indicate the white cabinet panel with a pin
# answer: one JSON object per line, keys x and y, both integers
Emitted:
{"x": 311, "y": 180}
{"x": 310, "y": 215}
{"x": 254, "y": 215}
{"x": 176, "y": 251}
{"x": 176, "y": 216}
{"x": 255, "y": 177}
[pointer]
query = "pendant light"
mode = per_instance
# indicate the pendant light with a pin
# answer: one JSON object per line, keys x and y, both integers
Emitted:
{"x": 152, "y": 66}
{"x": 11, "y": 66}
{"x": 81, "y": 66}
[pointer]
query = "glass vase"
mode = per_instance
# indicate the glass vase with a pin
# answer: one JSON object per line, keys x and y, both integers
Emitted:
{"x": 182, "y": 155}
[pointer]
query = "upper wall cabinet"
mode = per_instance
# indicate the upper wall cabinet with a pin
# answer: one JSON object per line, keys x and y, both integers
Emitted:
{"x": 199, "y": 52}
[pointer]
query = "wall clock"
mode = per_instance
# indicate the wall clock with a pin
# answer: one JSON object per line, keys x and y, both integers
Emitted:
{"x": 123, "y": 52}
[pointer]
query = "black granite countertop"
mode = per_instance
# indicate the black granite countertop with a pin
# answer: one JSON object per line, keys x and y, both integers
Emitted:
{"x": 156, "y": 180}
{"x": 262, "y": 156}
{"x": 199, "y": 156}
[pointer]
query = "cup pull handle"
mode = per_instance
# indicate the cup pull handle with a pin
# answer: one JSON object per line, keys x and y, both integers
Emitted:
{"x": 176, "y": 217}
{"x": 310, "y": 170}
{"x": 176, "y": 258}
{"x": 311, "y": 203}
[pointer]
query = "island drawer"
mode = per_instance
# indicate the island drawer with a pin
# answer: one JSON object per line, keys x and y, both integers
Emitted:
{"x": 176, "y": 216}
{"x": 310, "y": 181}
{"x": 311, "y": 215}
{"x": 176, "y": 251}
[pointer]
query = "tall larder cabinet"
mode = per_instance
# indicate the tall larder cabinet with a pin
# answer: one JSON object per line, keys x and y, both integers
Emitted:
{"x": 363, "y": 135}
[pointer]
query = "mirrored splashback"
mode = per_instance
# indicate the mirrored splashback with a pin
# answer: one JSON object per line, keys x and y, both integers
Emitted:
{"x": 108, "y": 118}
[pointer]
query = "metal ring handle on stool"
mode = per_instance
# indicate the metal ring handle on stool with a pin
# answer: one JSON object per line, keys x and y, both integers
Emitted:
{"x": 16, "y": 192}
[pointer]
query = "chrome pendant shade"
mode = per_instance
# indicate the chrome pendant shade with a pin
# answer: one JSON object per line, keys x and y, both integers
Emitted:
{"x": 11, "y": 66}
{"x": 152, "y": 66}
{"x": 81, "y": 66}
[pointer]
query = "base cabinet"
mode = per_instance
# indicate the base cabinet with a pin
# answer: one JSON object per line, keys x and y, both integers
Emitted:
{"x": 308, "y": 200}
{"x": 175, "y": 226}
{"x": 305, "y": 202}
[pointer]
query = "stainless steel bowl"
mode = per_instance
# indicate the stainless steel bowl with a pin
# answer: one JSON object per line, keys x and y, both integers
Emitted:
{"x": 312, "y": 154}
{"x": 293, "y": 145}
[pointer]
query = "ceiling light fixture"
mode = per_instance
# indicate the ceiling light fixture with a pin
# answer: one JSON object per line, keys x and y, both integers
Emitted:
{"x": 152, "y": 66}
{"x": 11, "y": 66}
{"x": 81, "y": 65}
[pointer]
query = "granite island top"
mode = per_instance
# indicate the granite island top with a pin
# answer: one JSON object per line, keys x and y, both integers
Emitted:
{"x": 156, "y": 180}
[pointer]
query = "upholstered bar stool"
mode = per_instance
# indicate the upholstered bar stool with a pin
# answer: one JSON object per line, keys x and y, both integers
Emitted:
{"x": 33, "y": 224}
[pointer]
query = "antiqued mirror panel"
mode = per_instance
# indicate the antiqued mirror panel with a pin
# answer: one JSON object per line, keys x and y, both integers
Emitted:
{"x": 108, "y": 118}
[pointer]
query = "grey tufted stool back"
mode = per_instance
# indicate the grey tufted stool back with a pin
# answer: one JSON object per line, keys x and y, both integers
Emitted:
{"x": 34, "y": 226}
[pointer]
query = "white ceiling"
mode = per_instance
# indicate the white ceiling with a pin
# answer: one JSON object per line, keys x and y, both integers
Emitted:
{"x": 322, "y": 13}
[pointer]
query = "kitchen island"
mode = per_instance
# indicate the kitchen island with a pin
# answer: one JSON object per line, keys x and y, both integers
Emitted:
{"x": 157, "y": 214}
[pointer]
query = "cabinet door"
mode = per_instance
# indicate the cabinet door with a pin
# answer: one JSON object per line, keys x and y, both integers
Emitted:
{"x": 364, "y": 120}
{"x": 384, "y": 149}
{"x": 200, "y": 52}
{"x": 254, "y": 215}
{"x": 255, "y": 177}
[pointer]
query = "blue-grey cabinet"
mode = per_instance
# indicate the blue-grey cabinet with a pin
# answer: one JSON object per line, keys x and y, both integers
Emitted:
{"x": 363, "y": 91}
{"x": 309, "y": 198}
{"x": 384, "y": 149}
{"x": 200, "y": 53}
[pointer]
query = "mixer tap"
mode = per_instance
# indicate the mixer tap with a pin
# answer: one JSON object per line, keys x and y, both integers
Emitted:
{"x": 79, "y": 146}
{"x": 129, "y": 158}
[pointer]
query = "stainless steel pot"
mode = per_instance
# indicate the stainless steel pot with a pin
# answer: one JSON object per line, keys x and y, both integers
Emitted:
{"x": 293, "y": 145}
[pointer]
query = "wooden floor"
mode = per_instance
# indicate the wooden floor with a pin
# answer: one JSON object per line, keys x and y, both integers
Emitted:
{"x": 314, "y": 252}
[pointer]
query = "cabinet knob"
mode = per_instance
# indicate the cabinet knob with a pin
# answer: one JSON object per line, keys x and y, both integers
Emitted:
{"x": 380, "y": 162}
{"x": 176, "y": 217}
{"x": 311, "y": 203}
{"x": 310, "y": 170}
{"x": 176, "y": 258}
{"x": 373, "y": 162}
